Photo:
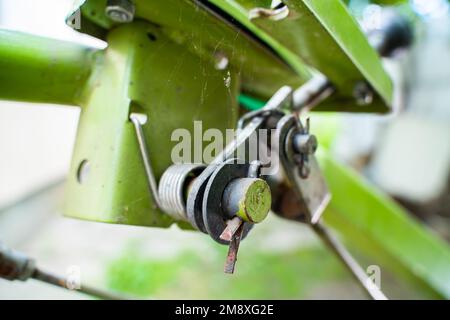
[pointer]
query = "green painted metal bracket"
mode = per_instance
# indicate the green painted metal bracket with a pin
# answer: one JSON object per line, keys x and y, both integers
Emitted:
{"x": 381, "y": 230}
{"x": 208, "y": 37}
{"x": 320, "y": 35}
{"x": 140, "y": 71}
{"x": 37, "y": 69}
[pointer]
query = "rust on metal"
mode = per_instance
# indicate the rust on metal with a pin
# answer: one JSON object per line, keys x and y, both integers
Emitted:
{"x": 233, "y": 251}
{"x": 232, "y": 226}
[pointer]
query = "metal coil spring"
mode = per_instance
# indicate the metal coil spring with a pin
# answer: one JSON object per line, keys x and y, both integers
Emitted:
{"x": 172, "y": 188}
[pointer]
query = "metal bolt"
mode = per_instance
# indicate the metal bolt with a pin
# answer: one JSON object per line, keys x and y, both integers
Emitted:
{"x": 305, "y": 143}
{"x": 363, "y": 94}
{"x": 121, "y": 11}
{"x": 248, "y": 198}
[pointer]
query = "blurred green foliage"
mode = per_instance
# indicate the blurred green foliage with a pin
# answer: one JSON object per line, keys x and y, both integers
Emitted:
{"x": 259, "y": 275}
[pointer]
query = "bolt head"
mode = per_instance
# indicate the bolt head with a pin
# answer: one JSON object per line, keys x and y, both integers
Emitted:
{"x": 306, "y": 144}
{"x": 121, "y": 11}
{"x": 363, "y": 94}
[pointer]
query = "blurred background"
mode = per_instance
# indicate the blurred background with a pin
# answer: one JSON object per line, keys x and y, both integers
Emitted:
{"x": 406, "y": 154}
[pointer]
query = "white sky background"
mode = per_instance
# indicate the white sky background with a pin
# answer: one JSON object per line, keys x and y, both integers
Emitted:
{"x": 36, "y": 141}
{"x": 42, "y": 17}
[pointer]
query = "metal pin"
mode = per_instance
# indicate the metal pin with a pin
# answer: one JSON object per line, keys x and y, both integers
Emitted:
{"x": 232, "y": 226}
{"x": 233, "y": 251}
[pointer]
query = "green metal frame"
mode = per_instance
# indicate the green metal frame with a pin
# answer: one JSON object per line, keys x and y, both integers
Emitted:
{"x": 206, "y": 36}
{"x": 324, "y": 36}
{"x": 132, "y": 77}
{"x": 317, "y": 35}
{"x": 384, "y": 233}
{"x": 164, "y": 65}
{"x": 37, "y": 69}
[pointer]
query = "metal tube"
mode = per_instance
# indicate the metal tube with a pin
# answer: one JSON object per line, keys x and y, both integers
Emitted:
{"x": 312, "y": 93}
{"x": 37, "y": 69}
{"x": 15, "y": 265}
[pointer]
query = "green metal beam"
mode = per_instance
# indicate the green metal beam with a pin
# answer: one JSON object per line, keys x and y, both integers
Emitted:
{"x": 36, "y": 69}
{"x": 383, "y": 232}
{"x": 324, "y": 36}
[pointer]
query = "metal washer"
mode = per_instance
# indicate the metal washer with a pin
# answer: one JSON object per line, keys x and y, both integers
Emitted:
{"x": 195, "y": 199}
{"x": 213, "y": 215}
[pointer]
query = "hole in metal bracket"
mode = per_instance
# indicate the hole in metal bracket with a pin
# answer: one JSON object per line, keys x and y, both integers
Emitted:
{"x": 83, "y": 171}
{"x": 151, "y": 36}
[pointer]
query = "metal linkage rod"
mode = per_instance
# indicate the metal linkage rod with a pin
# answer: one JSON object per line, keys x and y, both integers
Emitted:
{"x": 317, "y": 89}
{"x": 61, "y": 282}
{"x": 350, "y": 263}
{"x": 138, "y": 120}
{"x": 17, "y": 266}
